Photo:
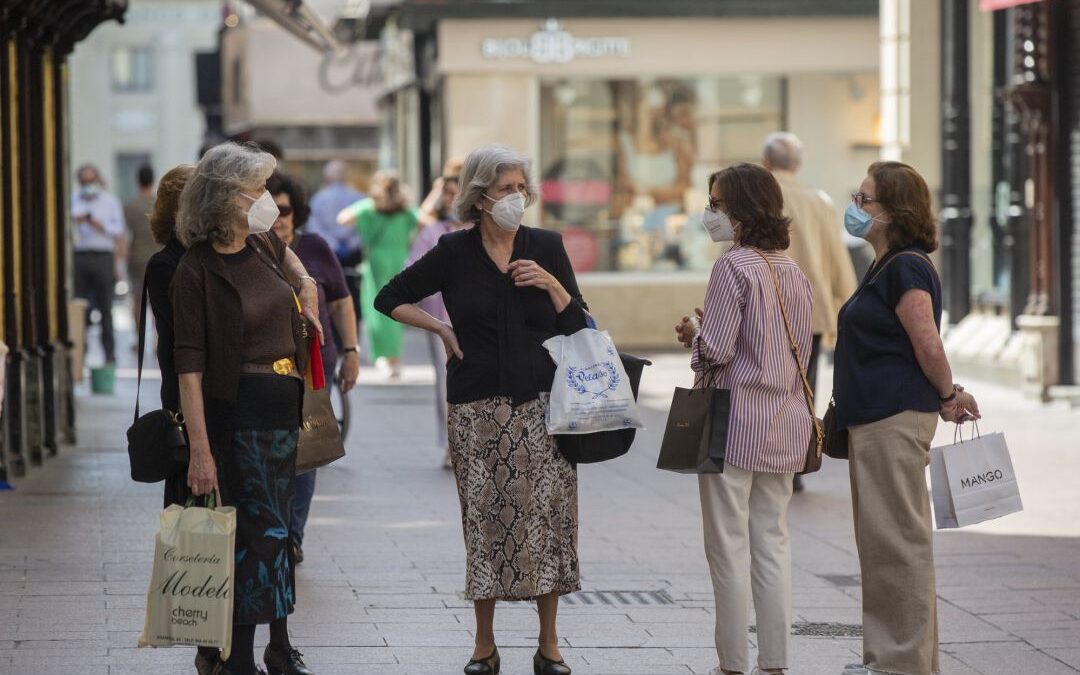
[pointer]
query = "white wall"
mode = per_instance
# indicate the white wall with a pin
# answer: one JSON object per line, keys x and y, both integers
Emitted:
{"x": 165, "y": 122}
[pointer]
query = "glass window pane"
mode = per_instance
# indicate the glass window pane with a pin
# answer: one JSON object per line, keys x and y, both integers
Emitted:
{"x": 624, "y": 163}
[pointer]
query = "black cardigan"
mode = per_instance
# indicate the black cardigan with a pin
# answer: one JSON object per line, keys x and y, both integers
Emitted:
{"x": 159, "y": 275}
{"x": 499, "y": 327}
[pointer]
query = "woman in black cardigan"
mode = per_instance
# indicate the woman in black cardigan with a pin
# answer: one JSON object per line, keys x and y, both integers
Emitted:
{"x": 507, "y": 288}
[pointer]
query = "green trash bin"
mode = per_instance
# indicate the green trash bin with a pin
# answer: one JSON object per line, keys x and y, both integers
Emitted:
{"x": 103, "y": 379}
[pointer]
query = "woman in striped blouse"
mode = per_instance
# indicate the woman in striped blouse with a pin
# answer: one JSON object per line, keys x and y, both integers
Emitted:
{"x": 739, "y": 343}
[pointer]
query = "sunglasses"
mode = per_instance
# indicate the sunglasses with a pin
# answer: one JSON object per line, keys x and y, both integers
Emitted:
{"x": 284, "y": 210}
{"x": 861, "y": 198}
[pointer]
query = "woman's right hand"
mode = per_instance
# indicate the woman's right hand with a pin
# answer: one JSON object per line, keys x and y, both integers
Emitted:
{"x": 450, "y": 343}
{"x": 202, "y": 472}
{"x": 688, "y": 328}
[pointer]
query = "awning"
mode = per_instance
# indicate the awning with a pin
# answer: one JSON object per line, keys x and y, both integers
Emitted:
{"x": 993, "y": 5}
{"x": 300, "y": 20}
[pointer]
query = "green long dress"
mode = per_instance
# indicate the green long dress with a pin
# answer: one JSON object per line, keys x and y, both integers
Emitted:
{"x": 386, "y": 238}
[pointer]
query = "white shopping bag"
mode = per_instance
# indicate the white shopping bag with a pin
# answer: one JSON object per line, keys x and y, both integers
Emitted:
{"x": 973, "y": 481}
{"x": 190, "y": 601}
{"x": 591, "y": 391}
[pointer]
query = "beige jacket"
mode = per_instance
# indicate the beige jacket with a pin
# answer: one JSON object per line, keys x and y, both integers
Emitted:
{"x": 818, "y": 250}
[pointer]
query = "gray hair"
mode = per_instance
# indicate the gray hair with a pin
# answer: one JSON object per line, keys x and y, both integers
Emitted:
{"x": 481, "y": 170}
{"x": 783, "y": 150}
{"x": 334, "y": 171}
{"x": 208, "y": 203}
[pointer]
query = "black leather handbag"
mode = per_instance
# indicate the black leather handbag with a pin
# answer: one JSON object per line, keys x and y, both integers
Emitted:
{"x": 604, "y": 445}
{"x": 695, "y": 438}
{"x": 157, "y": 441}
{"x": 836, "y": 440}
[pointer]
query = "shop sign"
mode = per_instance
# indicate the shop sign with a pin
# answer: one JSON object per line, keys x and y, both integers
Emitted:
{"x": 552, "y": 44}
{"x": 991, "y": 5}
{"x": 581, "y": 247}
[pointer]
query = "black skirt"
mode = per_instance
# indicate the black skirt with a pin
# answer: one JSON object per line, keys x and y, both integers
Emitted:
{"x": 256, "y": 474}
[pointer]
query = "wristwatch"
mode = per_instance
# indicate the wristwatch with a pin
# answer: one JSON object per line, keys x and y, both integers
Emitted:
{"x": 350, "y": 349}
{"x": 952, "y": 397}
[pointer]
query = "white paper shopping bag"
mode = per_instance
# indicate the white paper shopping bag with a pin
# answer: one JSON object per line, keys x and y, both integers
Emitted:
{"x": 973, "y": 481}
{"x": 591, "y": 391}
{"x": 190, "y": 601}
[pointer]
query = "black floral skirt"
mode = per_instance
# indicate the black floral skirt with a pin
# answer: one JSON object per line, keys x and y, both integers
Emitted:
{"x": 257, "y": 475}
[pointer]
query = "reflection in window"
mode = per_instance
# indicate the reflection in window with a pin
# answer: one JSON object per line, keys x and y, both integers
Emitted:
{"x": 624, "y": 163}
{"x": 132, "y": 69}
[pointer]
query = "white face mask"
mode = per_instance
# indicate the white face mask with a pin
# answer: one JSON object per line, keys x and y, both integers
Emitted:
{"x": 262, "y": 214}
{"x": 508, "y": 211}
{"x": 718, "y": 225}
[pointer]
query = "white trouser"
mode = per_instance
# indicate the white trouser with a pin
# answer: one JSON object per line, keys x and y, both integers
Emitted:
{"x": 744, "y": 514}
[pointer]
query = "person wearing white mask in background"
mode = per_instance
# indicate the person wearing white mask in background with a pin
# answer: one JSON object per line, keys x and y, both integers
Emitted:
{"x": 507, "y": 288}
{"x": 240, "y": 362}
{"x": 740, "y": 343}
{"x": 99, "y": 226}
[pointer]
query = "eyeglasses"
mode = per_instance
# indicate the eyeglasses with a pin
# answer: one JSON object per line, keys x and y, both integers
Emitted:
{"x": 714, "y": 204}
{"x": 861, "y": 198}
{"x": 284, "y": 210}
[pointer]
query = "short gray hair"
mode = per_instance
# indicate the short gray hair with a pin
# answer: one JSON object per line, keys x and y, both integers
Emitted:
{"x": 208, "y": 202}
{"x": 481, "y": 170}
{"x": 783, "y": 150}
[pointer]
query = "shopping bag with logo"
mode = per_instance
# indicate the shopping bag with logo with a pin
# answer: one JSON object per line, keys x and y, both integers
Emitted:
{"x": 695, "y": 438}
{"x": 190, "y": 601}
{"x": 591, "y": 391}
{"x": 973, "y": 481}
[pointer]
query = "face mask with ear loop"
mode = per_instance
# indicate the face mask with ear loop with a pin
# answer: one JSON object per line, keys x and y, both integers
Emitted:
{"x": 262, "y": 214}
{"x": 508, "y": 211}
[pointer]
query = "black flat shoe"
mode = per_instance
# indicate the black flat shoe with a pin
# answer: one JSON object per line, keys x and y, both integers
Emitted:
{"x": 284, "y": 661}
{"x": 545, "y": 666}
{"x": 488, "y": 666}
{"x": 209, "y": 666}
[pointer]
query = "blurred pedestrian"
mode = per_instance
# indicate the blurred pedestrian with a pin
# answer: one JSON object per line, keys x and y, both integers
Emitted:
{"x": 892, "y": 381}
{"x": 335, "y": 195}
{"x": 740, "y": 343}
{"x": 442, "y": 220}
{"x": 335, "y": 312}
{"x": 817, "y": 246}
{"x": 507, "y": 288}
{"x": 99, "y": 231}
{"x": 386, "y": 225}
{"x": 240, "y": 388}
{"x": 140, "y": 240}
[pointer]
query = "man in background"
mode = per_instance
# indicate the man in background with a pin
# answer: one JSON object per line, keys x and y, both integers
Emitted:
{"x": 334, "y": 196}
{"x": 99, "y": 227}
{"x": 816, "y": 244}
{"x": 141, "y": 245}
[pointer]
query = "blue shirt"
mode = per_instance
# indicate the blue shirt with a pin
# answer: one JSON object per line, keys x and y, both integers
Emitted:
{"x": 876, "y": 374}
{"x": 325, "y": 205}
{"x": 104, "y": 208}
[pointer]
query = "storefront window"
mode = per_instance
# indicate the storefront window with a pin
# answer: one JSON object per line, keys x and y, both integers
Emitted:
{"x": 624, "y": 163}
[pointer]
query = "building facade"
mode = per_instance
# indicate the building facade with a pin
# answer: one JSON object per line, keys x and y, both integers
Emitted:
{"x": 626, "y": 108}
{"x": 36, "y": 40}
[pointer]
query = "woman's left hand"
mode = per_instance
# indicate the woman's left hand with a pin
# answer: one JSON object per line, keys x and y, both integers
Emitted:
{"x": 350, "y": 371}
{"x": 309, "y": 306}
{"x": 529, "y": 273}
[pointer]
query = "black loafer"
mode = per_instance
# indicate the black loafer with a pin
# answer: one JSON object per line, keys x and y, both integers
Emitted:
{"x": 208, "y": 666}
{"x": 285, "y": 661}
{"x": 487, "y": 666}
{"x": 545, "y": 666}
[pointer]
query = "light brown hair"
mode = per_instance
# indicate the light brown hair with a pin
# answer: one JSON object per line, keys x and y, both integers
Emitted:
{"x": 387, "y": 192}
{"x": 903, "y": 193}
{"x": 167, "y": 202}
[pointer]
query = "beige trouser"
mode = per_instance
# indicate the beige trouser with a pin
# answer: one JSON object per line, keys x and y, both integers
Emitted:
{"x": 746, "y": 542}
{"x": 896, "y": 542}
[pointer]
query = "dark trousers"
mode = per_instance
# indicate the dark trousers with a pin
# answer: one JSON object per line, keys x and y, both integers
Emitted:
{"x": 95, "y": 282}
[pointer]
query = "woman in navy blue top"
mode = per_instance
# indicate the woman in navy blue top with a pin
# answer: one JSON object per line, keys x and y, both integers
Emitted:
{"x": 891, "y": 382}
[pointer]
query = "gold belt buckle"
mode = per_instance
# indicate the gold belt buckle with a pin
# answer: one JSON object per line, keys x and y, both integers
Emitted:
{"x": 283, "y": 366}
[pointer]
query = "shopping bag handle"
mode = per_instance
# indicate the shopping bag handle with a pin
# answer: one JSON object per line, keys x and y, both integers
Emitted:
{"x": 211, "y": 500}
{"x": 959, "y": 432}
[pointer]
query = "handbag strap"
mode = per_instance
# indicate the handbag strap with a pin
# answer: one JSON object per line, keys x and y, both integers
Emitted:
{"x": 142, "y": 337}
{"x": 887, "y": 262}
{"x": 808, "y": 392}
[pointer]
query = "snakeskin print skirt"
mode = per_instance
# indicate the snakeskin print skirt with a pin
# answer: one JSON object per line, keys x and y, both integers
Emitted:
{"x": 518, "y": 501}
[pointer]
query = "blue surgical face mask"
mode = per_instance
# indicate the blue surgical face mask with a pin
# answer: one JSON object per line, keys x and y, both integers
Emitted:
{"x": 857, "y": 221}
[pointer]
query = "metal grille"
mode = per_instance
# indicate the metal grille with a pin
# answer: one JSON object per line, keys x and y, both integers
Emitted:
{"x": 646, "y": 598}
{"x": 812, "y": 629}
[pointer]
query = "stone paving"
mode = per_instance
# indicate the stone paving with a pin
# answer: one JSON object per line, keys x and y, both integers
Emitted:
{"x": 379, "y": 591}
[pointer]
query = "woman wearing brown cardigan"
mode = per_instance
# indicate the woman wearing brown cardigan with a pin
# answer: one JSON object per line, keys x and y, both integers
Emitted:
{"x": 240, "y": 388}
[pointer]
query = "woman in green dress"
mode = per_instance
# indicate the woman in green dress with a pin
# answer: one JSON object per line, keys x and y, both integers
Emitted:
{"x": 386, "y": 225}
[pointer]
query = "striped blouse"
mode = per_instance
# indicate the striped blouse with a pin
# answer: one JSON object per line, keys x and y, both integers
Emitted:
{"x": 744, "y": 347}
